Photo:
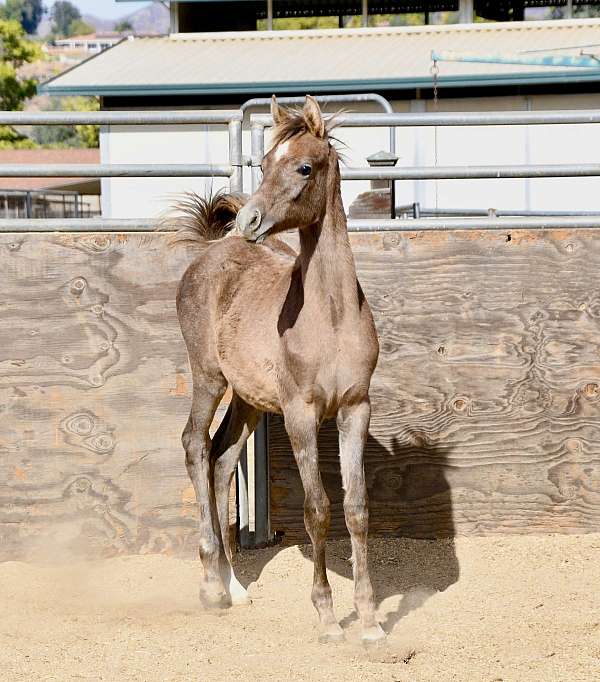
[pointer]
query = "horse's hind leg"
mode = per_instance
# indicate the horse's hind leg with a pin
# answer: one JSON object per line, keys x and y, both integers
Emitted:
{"x": 208, "y": 391}
{"x": 235, "y": 429}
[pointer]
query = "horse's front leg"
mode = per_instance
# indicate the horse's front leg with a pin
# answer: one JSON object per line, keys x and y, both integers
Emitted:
{"x": 353, "y": 426}
{"x": 302, "y": 427}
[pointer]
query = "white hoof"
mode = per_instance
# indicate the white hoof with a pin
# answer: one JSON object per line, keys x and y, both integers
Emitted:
{"x": 373, "y": 634}
{"x": 331, "y": 633}
{"x": 238, "y": 593}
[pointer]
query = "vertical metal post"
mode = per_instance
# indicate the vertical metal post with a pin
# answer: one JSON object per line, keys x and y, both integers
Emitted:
{"x": 569, "y": 10}
{"x": 365, "y": 13}
{"x": 269, "y": 15}
{"x": 28, "y": 205}
{"x": 257, "y": 151}
{"x": 235, "y": 134}
{"x": 467, "y": 12}
{"x": 262, "y": 531}
{"x": 174, "y": 17}
{"x": 235, "y": 156}
{"x": 242, "y": 500}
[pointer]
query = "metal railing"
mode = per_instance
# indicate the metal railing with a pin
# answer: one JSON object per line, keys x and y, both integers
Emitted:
{"x": 233, "y": 170}
{"x": 259, "y": 122}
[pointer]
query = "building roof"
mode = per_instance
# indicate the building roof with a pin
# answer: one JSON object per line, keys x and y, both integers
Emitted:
{"x": 393, "y": 58}
{"x": 34, "y": 156}
{"x": 90, "y": 37}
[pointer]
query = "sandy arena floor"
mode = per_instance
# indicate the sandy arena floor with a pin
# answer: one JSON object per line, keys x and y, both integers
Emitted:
{"x": 485, "y": 609}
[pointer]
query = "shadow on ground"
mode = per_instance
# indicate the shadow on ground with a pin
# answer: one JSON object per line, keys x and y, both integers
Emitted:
{"x": 410, "y": 500}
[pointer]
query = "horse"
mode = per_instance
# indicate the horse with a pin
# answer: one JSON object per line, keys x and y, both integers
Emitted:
{"x": 290, "y": 333}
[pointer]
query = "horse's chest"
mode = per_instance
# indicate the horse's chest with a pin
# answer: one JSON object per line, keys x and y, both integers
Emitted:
{"x": 329, "y": 364}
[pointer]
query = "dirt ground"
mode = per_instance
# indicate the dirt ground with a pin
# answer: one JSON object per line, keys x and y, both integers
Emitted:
{"x": 489, "y": 609}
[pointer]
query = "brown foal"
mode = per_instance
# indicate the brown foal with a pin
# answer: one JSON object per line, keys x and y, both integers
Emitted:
{"x": 290, "y": 333}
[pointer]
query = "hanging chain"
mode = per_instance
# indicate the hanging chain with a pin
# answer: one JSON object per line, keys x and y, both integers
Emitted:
{"x": 435, "y": 75}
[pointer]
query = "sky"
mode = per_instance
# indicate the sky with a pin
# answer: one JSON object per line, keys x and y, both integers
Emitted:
{"x": 105, "y": 9}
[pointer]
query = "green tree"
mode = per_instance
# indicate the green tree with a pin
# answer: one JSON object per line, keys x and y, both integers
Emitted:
{"x": 69, "y": 136}
{"x": 28, "y": 13}
{"x": 79, "y": 27}
{"x": 123, "y": 26}
{"x": 16, "y": 50}
{"x": 87, "y": 135}
{"x": 63, "y": 15}
{"x": 299, "y": 23}
{"x": 585, "y": 12}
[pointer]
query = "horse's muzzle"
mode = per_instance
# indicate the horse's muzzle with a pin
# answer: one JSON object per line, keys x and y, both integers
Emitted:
{"x": 249, "y": 223}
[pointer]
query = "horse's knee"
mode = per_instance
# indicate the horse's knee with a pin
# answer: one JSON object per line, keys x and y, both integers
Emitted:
{"x": 357, "y": 517}
{"x": 317, "y": 513}
{"x": 196, "y": 449}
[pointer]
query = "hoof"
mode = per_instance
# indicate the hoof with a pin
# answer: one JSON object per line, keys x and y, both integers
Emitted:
{"x": 331, "y": 633}
{"x": 239, "y": 594}
{"x": 373, "y": 635}
{"x": 240, "y": 599}
{"x": 214, "y": 600}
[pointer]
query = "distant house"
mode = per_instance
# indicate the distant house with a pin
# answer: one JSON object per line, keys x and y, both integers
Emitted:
{"x": 49, "y": 197}
{"x": 223, "y": 69}
{"x": 92, "y": 43}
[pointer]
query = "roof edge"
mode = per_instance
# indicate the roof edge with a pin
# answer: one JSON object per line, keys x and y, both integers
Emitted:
{"x": 530, "y": 78}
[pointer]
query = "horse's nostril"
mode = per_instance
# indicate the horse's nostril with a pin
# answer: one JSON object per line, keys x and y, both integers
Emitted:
{"x": 255, "y": 219}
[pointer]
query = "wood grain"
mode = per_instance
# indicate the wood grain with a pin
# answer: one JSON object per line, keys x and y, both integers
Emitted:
{"x": 94, "y": 394}
{"x": 486, "y": 398}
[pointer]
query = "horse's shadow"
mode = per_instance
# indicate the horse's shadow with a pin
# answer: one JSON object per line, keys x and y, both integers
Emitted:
{"x": 409, "y": 498}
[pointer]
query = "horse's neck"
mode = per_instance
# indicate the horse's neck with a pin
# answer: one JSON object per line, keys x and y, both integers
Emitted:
{"x": 327, "y": 263}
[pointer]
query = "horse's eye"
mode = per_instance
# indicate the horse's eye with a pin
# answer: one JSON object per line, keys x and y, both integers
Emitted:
{"x": 305, "y": 169}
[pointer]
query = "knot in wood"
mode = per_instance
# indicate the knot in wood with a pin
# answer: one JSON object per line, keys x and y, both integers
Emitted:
{"x": 78, "y": 285}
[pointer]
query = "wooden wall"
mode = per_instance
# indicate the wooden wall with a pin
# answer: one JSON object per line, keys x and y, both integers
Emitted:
{"x": 486, "y": 398}
{"x": 94, "y": 394}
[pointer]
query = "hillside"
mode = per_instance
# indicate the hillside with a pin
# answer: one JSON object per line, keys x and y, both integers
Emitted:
{"x": 152, "y": 19}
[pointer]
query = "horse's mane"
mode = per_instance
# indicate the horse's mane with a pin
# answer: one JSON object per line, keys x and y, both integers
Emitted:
{"x": 294, "y": 123}
{"x": 200, "y": 219}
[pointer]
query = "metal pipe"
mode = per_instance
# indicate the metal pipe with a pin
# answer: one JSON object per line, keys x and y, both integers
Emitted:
{"x": 583, "y": 221}
{"x": 269, "y": 15}
{"x": 331, "y": 99}
{"x": 242, "y": 500}
{"x": 472, "y": 172}
{"x": 489, "y": 118}
{"x": 262, "y": 532}
{"x": 235, "y": 156}
{"x": 261, "y": 454}
{"x": 257, "y": 152}
{"x": 551, "y": 60}
{"x": 467, "y": 12}
{"x": 569, "y": 10}
{"x": 87, "y": 170}
{"x": 447, "y": 224}
{"x": 118, "y": 117}
{"x": 475, "y": 212}
{"x": 364, "y": 14}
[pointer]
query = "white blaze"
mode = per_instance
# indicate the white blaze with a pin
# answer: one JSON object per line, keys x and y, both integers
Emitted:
{"x": 281, "y": 150}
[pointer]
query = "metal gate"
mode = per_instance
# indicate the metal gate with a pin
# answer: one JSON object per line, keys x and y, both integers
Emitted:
{"x": 232, "y": 168}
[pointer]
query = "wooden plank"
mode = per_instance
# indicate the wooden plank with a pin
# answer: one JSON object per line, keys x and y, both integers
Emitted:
{"x": 486, "y": 398}
{"x": 94, "y": 394}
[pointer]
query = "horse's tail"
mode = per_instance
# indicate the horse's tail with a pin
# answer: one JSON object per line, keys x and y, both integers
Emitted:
{"x": 200, "y": 220}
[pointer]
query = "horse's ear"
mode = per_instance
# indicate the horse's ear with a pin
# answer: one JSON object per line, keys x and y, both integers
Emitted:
{"x": 313, "y": 117}
{"x": 278, "y": 113}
